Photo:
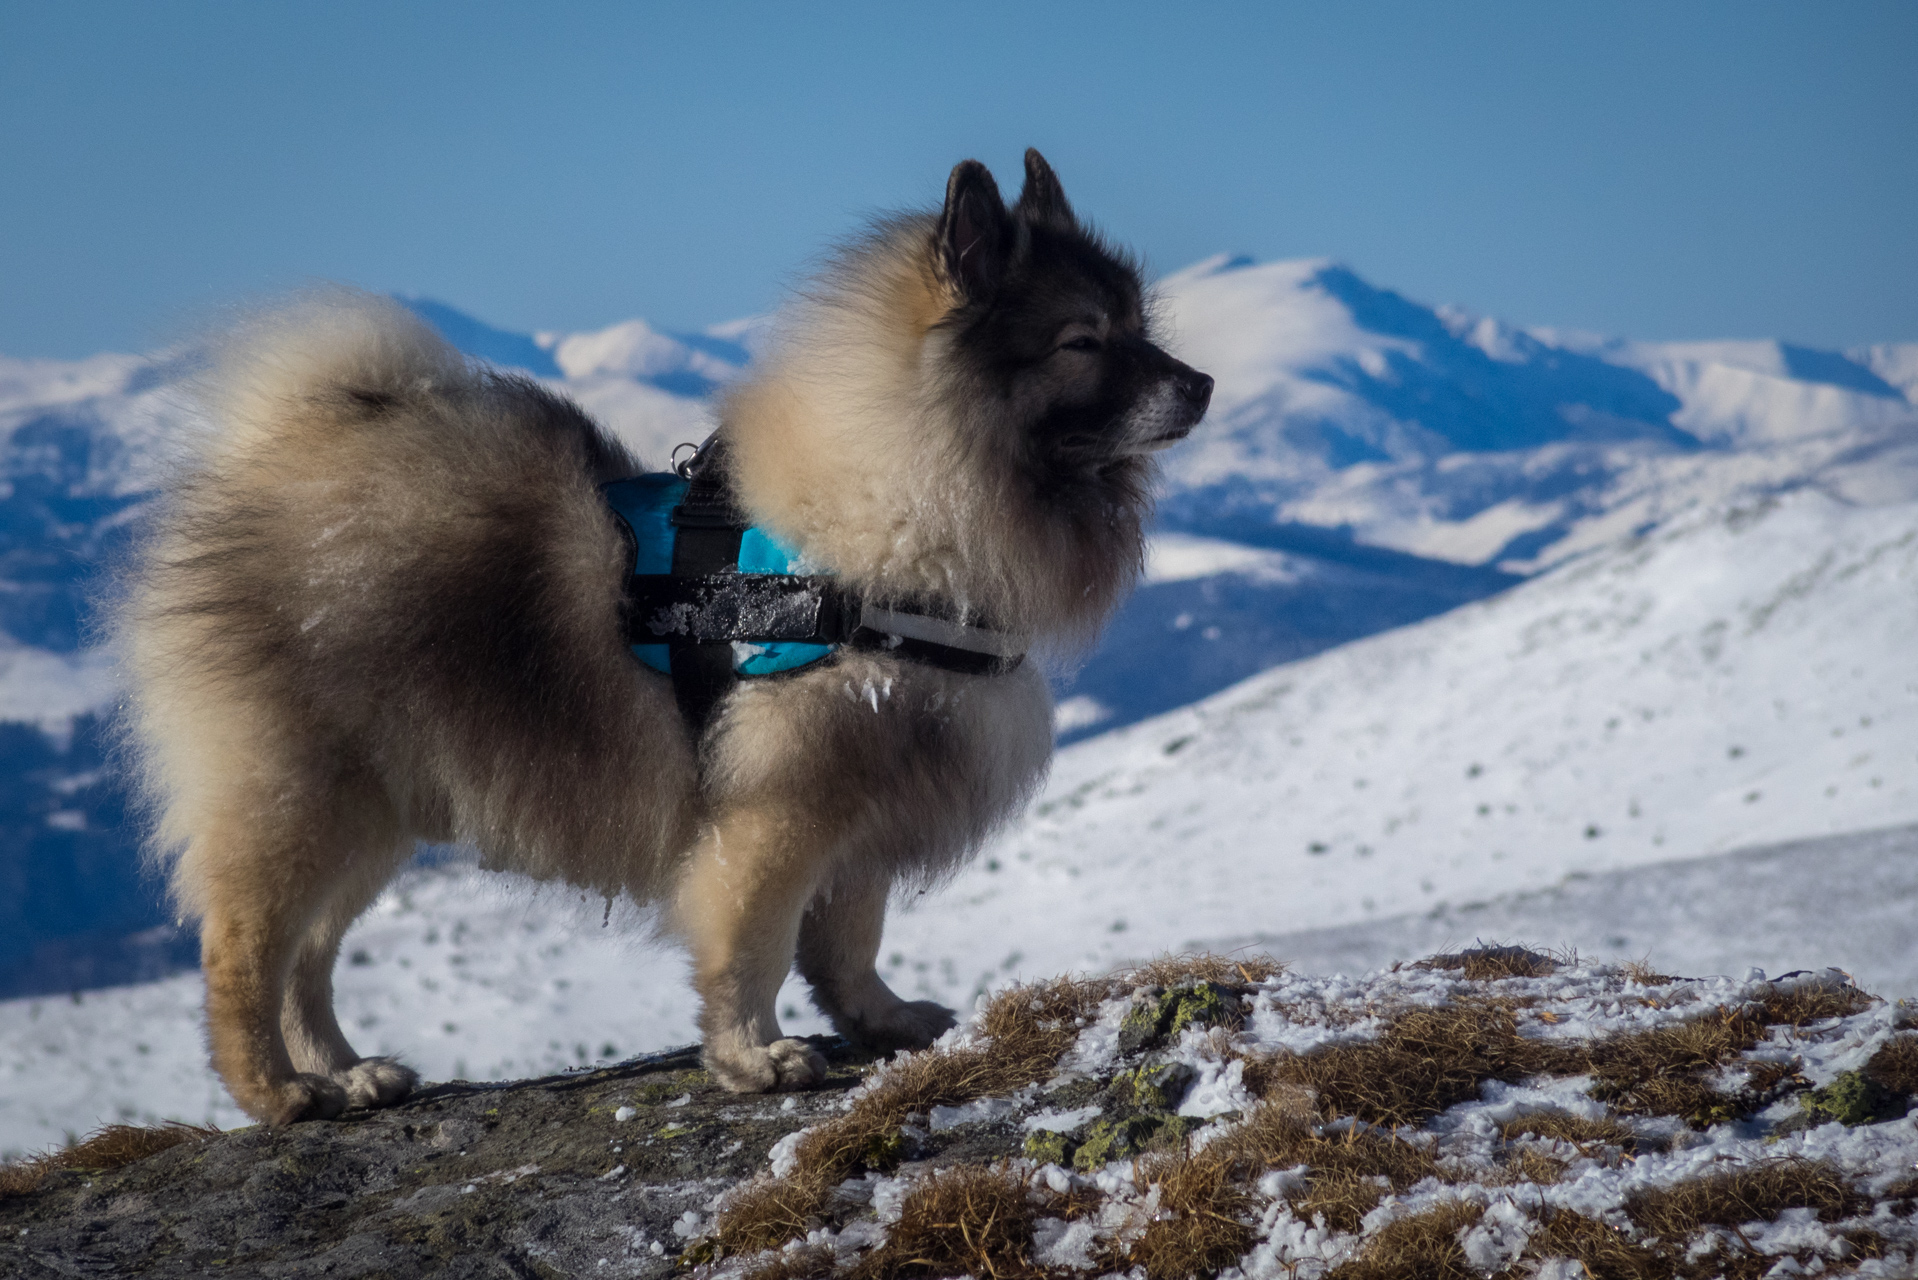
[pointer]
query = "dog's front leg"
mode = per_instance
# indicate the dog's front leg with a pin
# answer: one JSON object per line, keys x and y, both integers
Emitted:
{"x": 738, "y": 906}
{"x": 838, "y": 943}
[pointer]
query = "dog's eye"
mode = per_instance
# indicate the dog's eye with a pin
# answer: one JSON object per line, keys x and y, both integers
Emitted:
{"x": 1082, "y": 344}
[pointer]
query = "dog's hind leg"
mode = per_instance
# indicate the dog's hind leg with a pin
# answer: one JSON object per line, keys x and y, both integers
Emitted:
{"x": 313, "y": 1036}
{"x": 263, "y": 872}
{"x": 738, "y": 906}
{"x": 838, "y": 944}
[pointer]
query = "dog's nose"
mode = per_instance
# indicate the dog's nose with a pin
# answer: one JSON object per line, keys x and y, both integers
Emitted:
{"x": 1196, "y": 389}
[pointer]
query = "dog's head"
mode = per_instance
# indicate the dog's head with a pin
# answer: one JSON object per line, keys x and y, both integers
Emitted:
{"x": 1049, "y": 325}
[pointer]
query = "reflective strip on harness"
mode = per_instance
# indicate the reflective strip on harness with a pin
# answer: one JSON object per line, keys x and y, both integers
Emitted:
{"x": 951, "y": 635}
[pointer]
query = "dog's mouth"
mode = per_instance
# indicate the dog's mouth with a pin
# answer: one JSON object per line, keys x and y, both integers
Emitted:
{"x": 1164, "y": 441}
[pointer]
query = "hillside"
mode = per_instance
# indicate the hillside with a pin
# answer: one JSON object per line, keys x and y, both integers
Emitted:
{"x": 1485, "y": 1113}
{"x": 1736, "y": 679}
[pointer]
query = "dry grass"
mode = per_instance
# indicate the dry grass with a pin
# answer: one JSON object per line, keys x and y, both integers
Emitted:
{"x": 112, "y": 1147}
{"x": 1661, "y": 1071}
{"x": 1205, "y": 1205}
{"x": 1171, "y": 969}
{"x": 969, "y": 1220}
{"x": 1027, "y": 1029}
{"x": 1562, "y": 1126}
{"x": 1640, "y": 973}
{"x": 1490, "y": 963}
{"x": 1604, "y": 1251}
{"x": 1527, "y": 1164}
{"x": 1425, "y": 1061}
{"x": 1200, "y": 1228}
{"x": 1423, "y": 1246}
{"x": 1738, "y": 1196}
{"x": 1349, "y": 1172}
{"x": 1810, "y": 1004}
{"x": 979, "y": 1220}
{"x": 1896, "y": 1065}
{"x": 1429, "y": 1059}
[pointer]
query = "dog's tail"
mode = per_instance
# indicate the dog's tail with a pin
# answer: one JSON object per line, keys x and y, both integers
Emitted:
{"x": 284, "y": 400}
{"x": 329, "y": 345}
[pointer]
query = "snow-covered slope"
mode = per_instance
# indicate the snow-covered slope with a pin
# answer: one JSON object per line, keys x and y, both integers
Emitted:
{"x": 1850, "y": 899}
{"x": 1737, "y": 679}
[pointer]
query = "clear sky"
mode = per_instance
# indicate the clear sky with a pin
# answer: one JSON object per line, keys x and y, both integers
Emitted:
{"x": 1658, "y": 170}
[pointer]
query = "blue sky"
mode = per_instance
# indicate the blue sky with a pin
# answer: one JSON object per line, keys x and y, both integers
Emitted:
{"x": 1656, "y": 170}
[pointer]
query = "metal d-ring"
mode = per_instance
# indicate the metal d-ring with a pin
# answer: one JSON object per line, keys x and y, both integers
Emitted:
{"x": 684, "y": 470}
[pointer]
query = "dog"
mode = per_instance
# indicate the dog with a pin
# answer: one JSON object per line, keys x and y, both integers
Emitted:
{"x": 385, "y": 601}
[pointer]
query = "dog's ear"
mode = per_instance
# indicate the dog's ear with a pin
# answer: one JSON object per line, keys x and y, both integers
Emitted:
{"x": 975, "y": 232}
{"x": 1043, "y": 200}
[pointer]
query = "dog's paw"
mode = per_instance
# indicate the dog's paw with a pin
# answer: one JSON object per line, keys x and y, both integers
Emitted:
{"x": 781, "y": 1065}
{"x": 304, "y": 1097}
{"x": 910, "y": 1024}
{"x": 797, "y": 1064}
{"x": 376, "y": 1082}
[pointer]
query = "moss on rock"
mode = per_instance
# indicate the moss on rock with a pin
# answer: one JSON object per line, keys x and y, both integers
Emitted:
{"x": 1852, "y": 1099}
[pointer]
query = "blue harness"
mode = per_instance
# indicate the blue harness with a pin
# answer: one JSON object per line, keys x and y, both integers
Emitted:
{"x": 646, "y": 503}
{"x": 712, "y": 599}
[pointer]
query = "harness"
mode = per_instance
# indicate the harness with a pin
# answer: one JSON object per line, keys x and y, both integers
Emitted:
{"x": 713, "y": 599}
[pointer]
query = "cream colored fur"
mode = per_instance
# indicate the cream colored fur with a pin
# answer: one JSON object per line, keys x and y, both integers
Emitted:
{"x": 379, "y": 607}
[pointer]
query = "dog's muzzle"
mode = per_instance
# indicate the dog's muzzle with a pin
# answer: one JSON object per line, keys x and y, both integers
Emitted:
{"x": 1168, "y": 415}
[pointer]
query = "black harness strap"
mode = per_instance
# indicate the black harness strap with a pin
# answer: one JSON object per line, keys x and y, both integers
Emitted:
{"x": 705, "y": 545}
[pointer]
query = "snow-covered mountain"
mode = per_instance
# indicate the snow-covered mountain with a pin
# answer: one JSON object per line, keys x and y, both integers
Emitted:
{"x": 1371, "y": 462}
{"x": 1432, "y": 431}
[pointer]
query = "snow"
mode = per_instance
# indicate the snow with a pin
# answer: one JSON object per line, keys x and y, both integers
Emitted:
{"x": 1846, "y": 900}
{"x": 1181, "y": 557}
{"x": 1734, "y": 681}
{"x": 1573, "y": 1005}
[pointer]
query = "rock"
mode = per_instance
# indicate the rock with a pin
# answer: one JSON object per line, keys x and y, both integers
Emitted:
{"x": 1851, "y": 1099}
{"x": 1048, "y": 1147}
{"x": 1123, "y": 1137}
{"x": 1153, "y": 1087}
{"x": 1160, "y": 1015}
{"x": 538, "y": 1178}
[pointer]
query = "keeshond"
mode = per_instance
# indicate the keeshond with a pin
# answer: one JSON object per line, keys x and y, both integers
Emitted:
{"x": 391, "y": 599}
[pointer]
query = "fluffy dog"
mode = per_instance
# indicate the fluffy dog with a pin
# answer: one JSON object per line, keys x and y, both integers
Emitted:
{"x": 382, "y": 604}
